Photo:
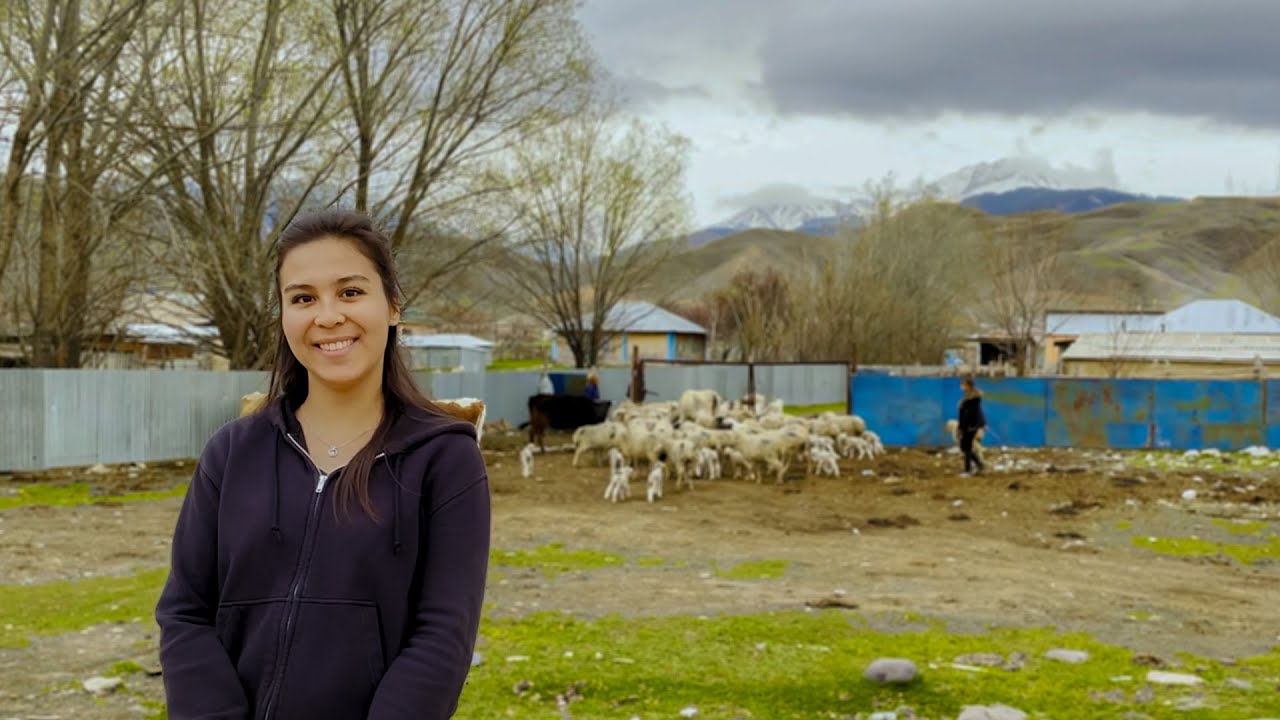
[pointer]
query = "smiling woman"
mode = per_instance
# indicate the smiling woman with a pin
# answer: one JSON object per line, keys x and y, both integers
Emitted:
{"x": 273, "y": 608}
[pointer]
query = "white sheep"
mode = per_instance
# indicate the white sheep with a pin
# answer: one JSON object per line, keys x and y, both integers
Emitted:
{"x": 616, "y": 460}
{"x": 619, "y": 486}
{"x": 825, "y": 461}
{"x": 526, "y": 460}
{"x": 655, "y": 481}
{"x": 708, "y": 464}
{"x": 599, "y": 436}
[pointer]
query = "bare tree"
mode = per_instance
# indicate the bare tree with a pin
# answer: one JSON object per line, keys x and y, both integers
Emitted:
{"x": 599, "y": 209}
{"x": 240, "y": 132}
{"x": 754, "y": 314}
{"x": 1021, "y": 277}
{"x": 77, "y": 65}
{"x": 432, "y": 91}
{"x": 897, "y": 287}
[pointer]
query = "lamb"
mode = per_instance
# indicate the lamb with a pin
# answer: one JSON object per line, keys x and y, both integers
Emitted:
{"x": 616, "y": 460}
{"x": 825, "y": 461}
{"x": 619, "y": 483}
{"x": 655, "y": 481}
{"x": 526, "y": 460}
{"x": 708, "y": 464}
{"x": 695, "y": 402}
{"x": 251, "y": 403}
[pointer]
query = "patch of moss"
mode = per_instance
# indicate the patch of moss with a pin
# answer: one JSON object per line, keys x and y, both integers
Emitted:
{"x": 649, "y": 562}
{"x": 755, "y": 570}
{"x": 1197, "y": 547}
{"x": 552, "y": 559}
{"x": 1241, "y": 528}
{"x": 80, "y": 494}
{"x": 65, "y": 605}
{"x": 125, "y": 667}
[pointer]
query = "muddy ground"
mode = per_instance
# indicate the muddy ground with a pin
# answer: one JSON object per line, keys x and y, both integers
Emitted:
{"x": 1045, "y": 541}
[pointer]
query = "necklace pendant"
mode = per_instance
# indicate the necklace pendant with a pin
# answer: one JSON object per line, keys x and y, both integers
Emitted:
{"x": 333, "y": 452}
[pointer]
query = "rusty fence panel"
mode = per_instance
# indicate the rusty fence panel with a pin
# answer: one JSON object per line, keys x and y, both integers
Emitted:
{"x": 1077, "y": 412}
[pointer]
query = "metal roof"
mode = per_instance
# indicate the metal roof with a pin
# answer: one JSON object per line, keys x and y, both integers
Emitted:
{"x": 639, "y": 316}
{"x": 1085, "y": 323}
{"x": 1185, "y": 347}
{"x": 1220, "y": 316}
{"x": 445, "y": 340}
{"x": 1200, "y": 316}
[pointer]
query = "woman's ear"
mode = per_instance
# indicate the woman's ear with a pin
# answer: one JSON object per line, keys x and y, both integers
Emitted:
{"x": 395, "y": 314}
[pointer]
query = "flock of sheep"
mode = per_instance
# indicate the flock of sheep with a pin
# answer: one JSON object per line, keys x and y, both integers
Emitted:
{"x": 701, "y": 434}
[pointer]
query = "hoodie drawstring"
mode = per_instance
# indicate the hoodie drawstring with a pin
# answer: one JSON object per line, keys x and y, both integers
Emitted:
{"x": 395, "y": 505}
{"x": 275, "y": 492}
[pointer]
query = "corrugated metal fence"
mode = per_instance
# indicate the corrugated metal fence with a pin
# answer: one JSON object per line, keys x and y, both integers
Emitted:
{"x": 1077, "y": 412}
{"x": 63, "y": 418}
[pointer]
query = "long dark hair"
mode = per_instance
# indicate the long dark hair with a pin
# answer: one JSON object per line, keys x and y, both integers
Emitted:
{"x": 399, "y": 392}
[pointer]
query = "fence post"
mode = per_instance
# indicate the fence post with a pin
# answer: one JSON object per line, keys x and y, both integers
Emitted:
{"x": 637, "y": 377}
{"x": 848, "y": 389}
{"x": 751, "y": 384}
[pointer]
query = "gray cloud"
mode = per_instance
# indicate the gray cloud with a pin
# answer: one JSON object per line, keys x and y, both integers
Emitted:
{"x": 919, "y": 59}
{"x": 640, "y": 92}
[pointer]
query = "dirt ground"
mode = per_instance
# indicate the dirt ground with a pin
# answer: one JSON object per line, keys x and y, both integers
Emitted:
{"x": 1046, "y": 541}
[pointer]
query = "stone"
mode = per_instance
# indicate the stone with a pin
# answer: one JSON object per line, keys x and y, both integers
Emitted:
{"x": 891, "y": 670}
{"x": 102, "y": 685}
{"x": 1074, "y": 657}
{"x": 991, "y": 712}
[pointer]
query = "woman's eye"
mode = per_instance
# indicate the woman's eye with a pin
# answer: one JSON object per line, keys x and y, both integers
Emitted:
{"x": 300, "y": 298}
{"x": 352, "y": 292}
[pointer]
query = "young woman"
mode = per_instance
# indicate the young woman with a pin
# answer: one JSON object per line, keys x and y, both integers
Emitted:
{"x": 970, "y": 419}
{"x": 329, "y": 559}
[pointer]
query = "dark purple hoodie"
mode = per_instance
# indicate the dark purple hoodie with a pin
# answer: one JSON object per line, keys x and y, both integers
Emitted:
{"x": 276, "y": 609}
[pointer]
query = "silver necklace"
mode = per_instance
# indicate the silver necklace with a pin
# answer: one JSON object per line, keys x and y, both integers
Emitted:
{"x": 333, "y": 449}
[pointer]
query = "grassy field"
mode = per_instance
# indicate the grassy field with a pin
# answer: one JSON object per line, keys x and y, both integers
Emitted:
{"x": 766, "y": 665}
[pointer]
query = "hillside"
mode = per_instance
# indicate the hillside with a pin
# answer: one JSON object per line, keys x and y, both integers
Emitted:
{"x": 1159, "y": 254}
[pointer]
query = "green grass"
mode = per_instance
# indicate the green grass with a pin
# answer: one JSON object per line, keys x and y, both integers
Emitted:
{"x": 522, "y": 364}
{"x": 1197, "y": 547}
{"x": 80, "y": 494}
{"x": 755, "y": 570}
{"x": 814, "y": 409}
{"x": 66, "y": 605}
{"x": 809, "y": 665}
{"x": 552, "y": 559}
{"x": 1242, "y": 528}
{"x": 764, "y": 665}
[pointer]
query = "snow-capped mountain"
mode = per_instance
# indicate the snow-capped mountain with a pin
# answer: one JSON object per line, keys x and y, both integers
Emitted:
{"x": 1014, "y": 173}
{"x": 786, "y": 216}
{"x": 1000, "y": 187}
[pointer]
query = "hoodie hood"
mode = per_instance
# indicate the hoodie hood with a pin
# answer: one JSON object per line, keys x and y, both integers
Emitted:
{"x": 412, "y": 428}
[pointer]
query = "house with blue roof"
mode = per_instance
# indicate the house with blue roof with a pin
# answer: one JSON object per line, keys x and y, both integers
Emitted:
{"x": 640, "y": 327}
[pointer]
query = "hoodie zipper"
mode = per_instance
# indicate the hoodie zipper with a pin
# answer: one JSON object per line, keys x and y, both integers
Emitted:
{"x": 300, "y": 572}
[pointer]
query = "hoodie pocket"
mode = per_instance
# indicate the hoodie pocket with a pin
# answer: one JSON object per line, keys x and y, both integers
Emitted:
{"x": 335, "y": 661}
{"x": 250, "y": 631}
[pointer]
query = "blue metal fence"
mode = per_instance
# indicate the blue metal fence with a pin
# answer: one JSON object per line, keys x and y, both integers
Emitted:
{"x": 1077, "y": 412}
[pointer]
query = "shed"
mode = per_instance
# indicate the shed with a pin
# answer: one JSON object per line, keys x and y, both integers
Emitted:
{"x": 448, "y": 351}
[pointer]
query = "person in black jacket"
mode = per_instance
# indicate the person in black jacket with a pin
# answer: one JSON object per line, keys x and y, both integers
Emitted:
{"x": 971, "y": 420}
{"x": 330, "y": 557}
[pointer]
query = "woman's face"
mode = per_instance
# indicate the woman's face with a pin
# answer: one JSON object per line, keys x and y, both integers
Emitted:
{"x": 335, "y": 314}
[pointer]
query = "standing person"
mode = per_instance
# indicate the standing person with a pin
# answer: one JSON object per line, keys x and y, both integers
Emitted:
{"x": 971, "y": 420}
{"x": 592, "y": 389}
{"x": 330, "y": 556}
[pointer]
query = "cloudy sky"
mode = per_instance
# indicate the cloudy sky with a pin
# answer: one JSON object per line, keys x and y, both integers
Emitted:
{"x": 783, "y": 100}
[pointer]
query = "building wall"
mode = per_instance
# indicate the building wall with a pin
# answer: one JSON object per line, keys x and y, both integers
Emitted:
{"x": 618, "y": 349}
{"x": 1146, "y": 369}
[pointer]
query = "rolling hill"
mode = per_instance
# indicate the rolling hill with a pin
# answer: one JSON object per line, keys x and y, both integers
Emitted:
{"x": 1161, "y": 254}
